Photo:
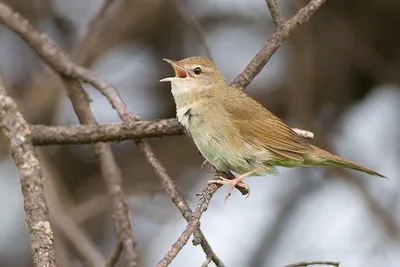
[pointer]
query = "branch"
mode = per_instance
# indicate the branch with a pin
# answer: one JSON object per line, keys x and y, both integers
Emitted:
{"x": 193, "y": 225}
{"x": 179, "y": 201}
{"x": 309, "y": 263}
{"x": 85, "y": 134}
{"x": 17, "y": 131}
{"x": 110, "y": 172}
{"x": 257, "y": 63}
{"x": 276, "y": 13}
{"x": 114, "y": 256}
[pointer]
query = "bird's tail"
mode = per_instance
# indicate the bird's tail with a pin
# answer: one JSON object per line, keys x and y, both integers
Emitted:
{"x": 319, "y": 157}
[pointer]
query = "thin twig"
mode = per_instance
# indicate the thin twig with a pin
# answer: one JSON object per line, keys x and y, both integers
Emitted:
{"x": 17, "y": 131}
{"x": 113, "y": 259}
{"x": 276, "y": 13}
{"x": 85, "y": 134}
{"x": 198, "y": 29}
{"x": 257, "y": 63}
{"x": 194, "y": 223}
{"x": 206, "y": 262}
{"x": 309, "y": 263}
{"x": 179, "y": 201}
{"x": 110, "y": 172}
{"x": 80, "y": 53}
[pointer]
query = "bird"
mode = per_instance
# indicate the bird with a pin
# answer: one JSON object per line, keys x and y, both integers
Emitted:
{"x": 234, "y": 132}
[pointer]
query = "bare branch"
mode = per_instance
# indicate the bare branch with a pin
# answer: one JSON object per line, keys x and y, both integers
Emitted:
{"x": 85, "y": 134}
{"x": 194, "y": 224}
{"x": 276, "y": 13}
{"x": 309, "y": 263}
{"x": 114, "y": 256}
{"x": 179, "y": 201}
{"x": 17, "y": 131}
{"x": 206, "y": 262}
{"x": 257, "y": 63}
{"x": 110, "y": 172}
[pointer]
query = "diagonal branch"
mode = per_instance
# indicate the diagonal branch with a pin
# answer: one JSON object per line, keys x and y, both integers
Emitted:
{"x": 257, "y": 63}
{"x": 276, "y": 13}
{"x": 194, "y": 224}
{"x": 17, "y": 131}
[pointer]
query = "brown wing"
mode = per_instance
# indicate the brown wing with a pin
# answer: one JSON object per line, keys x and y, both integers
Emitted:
{"x": 261, "y": 127}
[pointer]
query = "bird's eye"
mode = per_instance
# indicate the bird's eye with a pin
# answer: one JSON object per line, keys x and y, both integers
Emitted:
{"x": 197, "y": 70}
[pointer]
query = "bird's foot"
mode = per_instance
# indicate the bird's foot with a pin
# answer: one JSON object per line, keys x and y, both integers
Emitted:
{"x": 238, "y": 181}
{"x": 232, "y": 184}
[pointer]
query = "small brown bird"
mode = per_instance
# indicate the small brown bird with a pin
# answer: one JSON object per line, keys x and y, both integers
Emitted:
{"x": 236, "y": 133}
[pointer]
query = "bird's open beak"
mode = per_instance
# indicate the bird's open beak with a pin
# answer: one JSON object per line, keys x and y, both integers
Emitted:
{"x": 180, "y": 72}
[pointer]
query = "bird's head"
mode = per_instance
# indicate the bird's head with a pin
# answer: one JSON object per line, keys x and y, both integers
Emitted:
{"x": 194, "y": 74}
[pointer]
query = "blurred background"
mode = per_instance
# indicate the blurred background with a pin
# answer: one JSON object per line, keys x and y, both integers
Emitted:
{"x": 338, "y": 76}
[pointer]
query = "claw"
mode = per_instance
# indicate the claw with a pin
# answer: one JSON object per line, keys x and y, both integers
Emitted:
{"x": 238, "y": 181}
{"x": 232, "y": 184}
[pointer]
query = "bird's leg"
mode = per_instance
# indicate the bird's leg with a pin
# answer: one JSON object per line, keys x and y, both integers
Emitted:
{"x": 238, "y": 181}
{"x": 204, "y": 164}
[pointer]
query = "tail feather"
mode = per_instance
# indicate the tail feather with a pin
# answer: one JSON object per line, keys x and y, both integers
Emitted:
{"x": 324, "y": 158}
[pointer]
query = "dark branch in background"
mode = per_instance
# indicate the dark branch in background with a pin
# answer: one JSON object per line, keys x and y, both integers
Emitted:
{"x": 110, "y": 172}
{"x": 258, "y": 62}
{"x": 17, "y": 131}
{"x": 61, "y": 64}
{"x": 309, "y": 263}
